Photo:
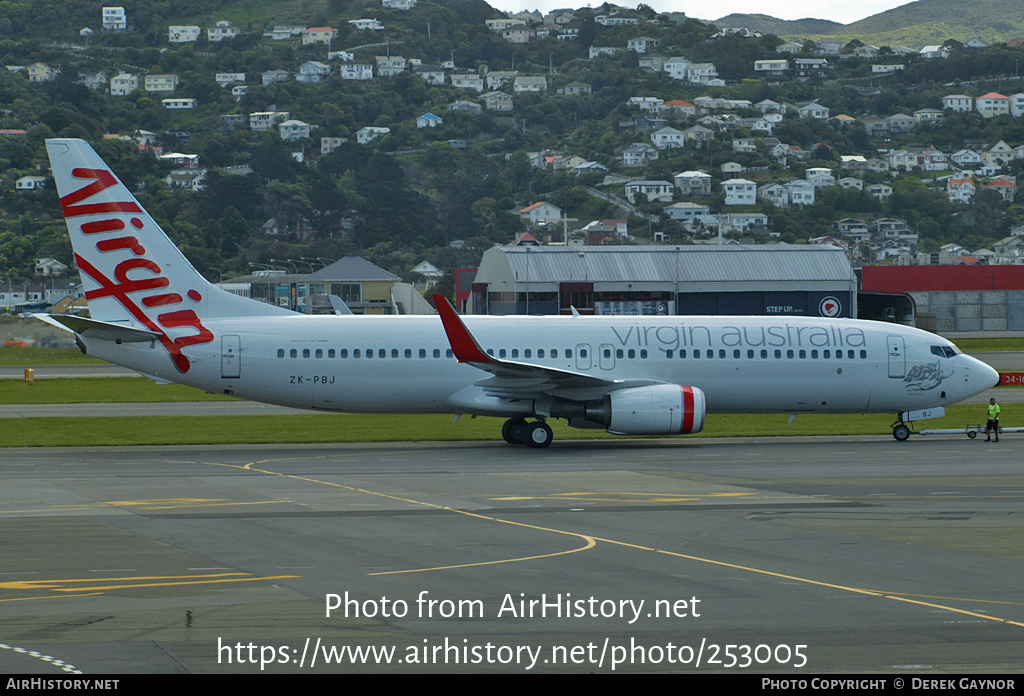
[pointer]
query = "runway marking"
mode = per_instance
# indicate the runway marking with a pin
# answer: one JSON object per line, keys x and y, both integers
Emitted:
{"x": 167, "y": 504}
{"x": 61, "y": 585}
{"x": 64, "y": 666}
{"x": 32, "y": 599}
{"x": 591, "y": 542}
{"x": 624, "y": 497}
{"x": 588, "y": 545}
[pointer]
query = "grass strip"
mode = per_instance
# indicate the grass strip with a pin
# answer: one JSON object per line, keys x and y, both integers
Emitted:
{"x": 325, "y": 428}
{"x": 33, "y": 357}
{"x": 99, "y": 390}
{"x": 990, "y": 345}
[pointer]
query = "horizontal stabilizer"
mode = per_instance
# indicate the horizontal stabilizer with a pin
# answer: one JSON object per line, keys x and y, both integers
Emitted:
{"x": 93, "y": 328}
{"x": 159, "y": 380}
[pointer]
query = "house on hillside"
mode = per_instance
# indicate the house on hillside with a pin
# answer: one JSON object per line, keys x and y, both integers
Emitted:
{"x": 429, "y": 120}
{"x": 319, "y": 35}
{"x": 537, "y": 213}
{"x": 368, "y": 133}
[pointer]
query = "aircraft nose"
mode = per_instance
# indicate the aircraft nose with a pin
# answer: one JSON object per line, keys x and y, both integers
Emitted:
{"x": 985, "y": 376}
{"x": 991, "y": 376}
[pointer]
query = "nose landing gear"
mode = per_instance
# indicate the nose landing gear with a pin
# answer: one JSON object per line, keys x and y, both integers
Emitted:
{"x": 901, "y": 432}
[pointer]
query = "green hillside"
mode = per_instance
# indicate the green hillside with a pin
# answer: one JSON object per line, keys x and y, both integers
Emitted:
{"x": 931, "y": 20}
{"x": 405, "y": 196}
{"x": 780, "y": 27}
{"x": 915, "y": 24}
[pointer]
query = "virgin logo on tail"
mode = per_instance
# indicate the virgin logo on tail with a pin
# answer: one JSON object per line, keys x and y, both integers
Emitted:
{"x": 111, "y": 239}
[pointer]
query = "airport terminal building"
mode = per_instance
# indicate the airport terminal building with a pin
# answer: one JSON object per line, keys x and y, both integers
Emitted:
{"x": 666, "y": 280}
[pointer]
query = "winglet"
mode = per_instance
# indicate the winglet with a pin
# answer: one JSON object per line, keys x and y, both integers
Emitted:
{"x": 465, "y": 347}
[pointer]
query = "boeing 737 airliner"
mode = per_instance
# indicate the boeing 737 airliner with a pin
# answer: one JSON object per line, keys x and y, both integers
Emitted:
{"x": 153, "y": 312}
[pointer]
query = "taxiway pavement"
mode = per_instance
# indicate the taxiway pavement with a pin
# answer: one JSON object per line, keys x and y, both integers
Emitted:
{"x": 859, "y": 554}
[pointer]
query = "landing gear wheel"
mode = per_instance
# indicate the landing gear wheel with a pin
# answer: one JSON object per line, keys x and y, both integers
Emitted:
{"x": 539, "y": 434}
{"x": 971, "y": 434}
{"x": 901, "y": 432}
{"x": 514, "y": 431}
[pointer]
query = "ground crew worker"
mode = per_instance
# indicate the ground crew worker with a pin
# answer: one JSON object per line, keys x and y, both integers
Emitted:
{"x": 993, "y": 420}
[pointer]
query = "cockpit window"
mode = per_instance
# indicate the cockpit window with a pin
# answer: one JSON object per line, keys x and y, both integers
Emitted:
{"x": 943, "y": 351}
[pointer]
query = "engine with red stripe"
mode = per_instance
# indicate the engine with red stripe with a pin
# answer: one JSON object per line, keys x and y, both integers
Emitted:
{"x": 657, "y": 409}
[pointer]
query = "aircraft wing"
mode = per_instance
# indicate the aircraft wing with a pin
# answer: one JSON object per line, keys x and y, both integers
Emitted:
{"x": 517, "y": 380}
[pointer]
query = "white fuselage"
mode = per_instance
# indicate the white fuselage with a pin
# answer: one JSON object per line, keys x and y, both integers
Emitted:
{"x": 405, "y": 365}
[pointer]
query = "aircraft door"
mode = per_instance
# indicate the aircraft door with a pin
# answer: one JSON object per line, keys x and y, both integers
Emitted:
{"x": 606, "y": 356}
{"x": 897, "y": 356}
{"x": 230, "y": 357}
{"x": 583, "y": 359}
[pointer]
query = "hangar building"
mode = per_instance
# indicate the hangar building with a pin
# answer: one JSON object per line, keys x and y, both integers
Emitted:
{"x": 649, "y": 280}
{"x": 956, "y": 298}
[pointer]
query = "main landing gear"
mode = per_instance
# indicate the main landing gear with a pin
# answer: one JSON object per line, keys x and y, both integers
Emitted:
{"x": 517, "y": 431}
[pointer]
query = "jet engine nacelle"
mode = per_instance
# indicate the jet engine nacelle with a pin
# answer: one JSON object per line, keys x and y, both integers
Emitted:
{"x": 657, "y": 409}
